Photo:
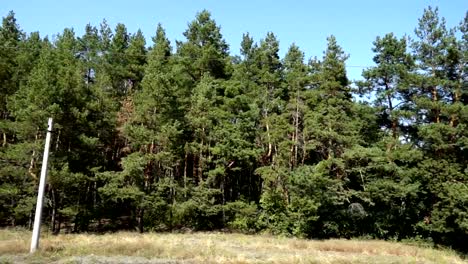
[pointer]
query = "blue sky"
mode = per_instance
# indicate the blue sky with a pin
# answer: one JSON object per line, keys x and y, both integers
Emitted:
{"x": 355, "y": 23}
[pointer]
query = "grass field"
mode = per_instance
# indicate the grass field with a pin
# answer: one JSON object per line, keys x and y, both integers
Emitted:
{"x": 126, "y": 247}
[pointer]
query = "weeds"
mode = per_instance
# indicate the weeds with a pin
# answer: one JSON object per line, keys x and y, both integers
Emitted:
{"x": 126, "y": 247}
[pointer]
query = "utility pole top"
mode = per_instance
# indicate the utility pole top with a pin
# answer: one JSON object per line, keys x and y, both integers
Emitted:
{"x": 49, "y": 125}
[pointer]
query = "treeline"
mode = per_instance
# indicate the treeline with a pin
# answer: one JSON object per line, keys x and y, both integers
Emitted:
{"x": 186, "y": 135}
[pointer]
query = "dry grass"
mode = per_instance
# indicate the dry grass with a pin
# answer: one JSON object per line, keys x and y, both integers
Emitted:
{"x": 209, "y": 248}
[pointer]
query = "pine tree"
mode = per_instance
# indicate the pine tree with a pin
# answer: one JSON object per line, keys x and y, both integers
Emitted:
{"x": 331, "y": 128}
{"x": 118, "y": 61}
{"x": 153, "y": 130}
{"x": 152, "y": 139}
{"x": 15, "y": 183}
{"x": 88, "y": 46}
{"x": 10, "y": 37}
{"x": 387, "y": 79}
{"x": 385, "y": 165}
{"x": 136, "y": 60}
{"x": 269, "y": 91}
{"x": 296, "y": 81}
{"x": 440, "y": 125}
{"x": 205, "y": 50}
{"x": 203, "y": 57}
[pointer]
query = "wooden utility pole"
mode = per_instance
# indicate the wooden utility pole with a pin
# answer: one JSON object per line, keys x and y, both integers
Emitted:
{"x": 40, "y": 195}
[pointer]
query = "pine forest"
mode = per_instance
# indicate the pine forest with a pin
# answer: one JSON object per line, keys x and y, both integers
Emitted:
{"x": 154, "y": 136}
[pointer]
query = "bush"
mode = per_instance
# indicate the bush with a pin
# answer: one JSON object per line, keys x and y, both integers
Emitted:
{"x": 242, "y": 216}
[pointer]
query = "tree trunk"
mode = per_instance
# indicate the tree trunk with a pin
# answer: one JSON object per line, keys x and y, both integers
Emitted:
{"x": 391, "y": 145}
{"x": 456, "y": 99}
{"x": 296, "y": 134}
{"x": 32, "y": 164}
{"x": 435, "y": 99}
{"x": 59, "y": 223}
{"x": 270, "y": 146}
{"x": 185, "y": 173}
{"x": 53, "y": 220}
{"x": 293, "y": 146}
{"x": 4, "y": 139}
{"x": 394, "y": 120}
{"x": 390, "y": 109}
{"x": 394, "y": 128}
{"x": 200, "y": 160}
{"x": 330, "y": 143}
{"x": 95, "y": 195}
{"x": 140, "y": 213}
{"x": 173, "y": 202}
{"x": 223, "y": 194}
{"x": 194, "y": 167}
{"x": 31, "y": 220}
{"x": 57, "y": 140}
{"x": 269, "y": 141}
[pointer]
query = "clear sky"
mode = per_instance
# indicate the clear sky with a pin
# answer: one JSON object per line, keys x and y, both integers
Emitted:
{"x": 355, "y": 23}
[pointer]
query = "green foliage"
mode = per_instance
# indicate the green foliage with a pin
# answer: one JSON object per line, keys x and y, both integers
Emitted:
{"x": 202, "y": 211}
{"x": 242, "y": 216}
{"x": 152, "y": 138}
